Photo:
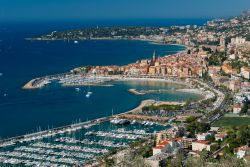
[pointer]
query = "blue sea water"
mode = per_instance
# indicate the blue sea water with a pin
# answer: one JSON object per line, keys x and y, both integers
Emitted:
{"x": 22, "y": 111}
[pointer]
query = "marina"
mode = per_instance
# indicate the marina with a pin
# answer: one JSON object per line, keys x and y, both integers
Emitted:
{"x": 82, "y": 80}
{"x": 77, "y": 144}
{"x": 69, "y": 79}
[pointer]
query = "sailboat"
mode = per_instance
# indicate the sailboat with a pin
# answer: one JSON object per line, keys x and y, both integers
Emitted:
{"x": 88, "y": 93}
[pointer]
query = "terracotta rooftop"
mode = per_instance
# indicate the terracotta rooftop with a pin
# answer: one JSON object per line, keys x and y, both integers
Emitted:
{"x": 159, "y": 147}
{"x": 202, "y": 141}
{"x": 164, "y": 143}
{"x": 220, "y": 135}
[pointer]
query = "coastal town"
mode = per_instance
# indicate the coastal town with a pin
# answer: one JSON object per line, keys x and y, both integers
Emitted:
{"x": 213, "y": 131}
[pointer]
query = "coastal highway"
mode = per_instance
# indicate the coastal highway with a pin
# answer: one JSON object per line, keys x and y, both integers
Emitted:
{"x": 220, "y": 104}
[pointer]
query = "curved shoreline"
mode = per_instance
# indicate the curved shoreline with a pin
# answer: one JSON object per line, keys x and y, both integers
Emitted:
{"x": 30, "y": 84}
{"x": 131, "y": 115}
{"x": 153, "y": 42}
{"x": 162, "y": 79}
{"x": 99, "y": 85}
{"x": 143, "y": 92}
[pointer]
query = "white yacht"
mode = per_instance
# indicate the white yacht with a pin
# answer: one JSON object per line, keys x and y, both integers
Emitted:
{"x": 76, "y": 42}
{"x": 133, "y": 122}
{"x": 88, "y": 94}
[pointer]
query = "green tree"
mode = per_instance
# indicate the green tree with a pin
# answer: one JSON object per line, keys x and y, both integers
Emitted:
{"x": 204, "y": 156}
{"x": 176, "y": 161}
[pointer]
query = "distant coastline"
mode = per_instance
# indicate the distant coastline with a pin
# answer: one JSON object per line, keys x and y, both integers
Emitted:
{"x": 140, "y": 33}
{"x": 154, "y": 42}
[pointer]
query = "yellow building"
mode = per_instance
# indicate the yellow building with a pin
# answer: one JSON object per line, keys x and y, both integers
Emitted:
{"x": 152, "y": 70}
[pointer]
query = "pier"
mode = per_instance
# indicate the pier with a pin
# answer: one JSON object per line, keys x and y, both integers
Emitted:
{"x": 69, "y": 79}
{"x": 42, "y": 81}
{"x": 51, "y": 132}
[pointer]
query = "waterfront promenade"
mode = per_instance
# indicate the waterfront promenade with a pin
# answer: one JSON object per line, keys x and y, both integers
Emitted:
{"x": 42, "y": 81}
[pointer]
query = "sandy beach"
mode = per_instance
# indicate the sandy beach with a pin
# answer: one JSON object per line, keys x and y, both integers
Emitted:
{"x": 73, "y": 85}
{"x": 167, "y": 80}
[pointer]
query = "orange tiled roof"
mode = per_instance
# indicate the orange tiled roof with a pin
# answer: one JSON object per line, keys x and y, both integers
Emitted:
{"x": 202, "y": 141}
{"x": 164, "y": 143}
{"x": 247, "y": 70}
{"x": 159, "y": 147}
{"x": 220, "y": 135}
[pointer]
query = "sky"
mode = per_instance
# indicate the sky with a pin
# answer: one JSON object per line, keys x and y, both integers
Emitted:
{"x": 20, "y": 10}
